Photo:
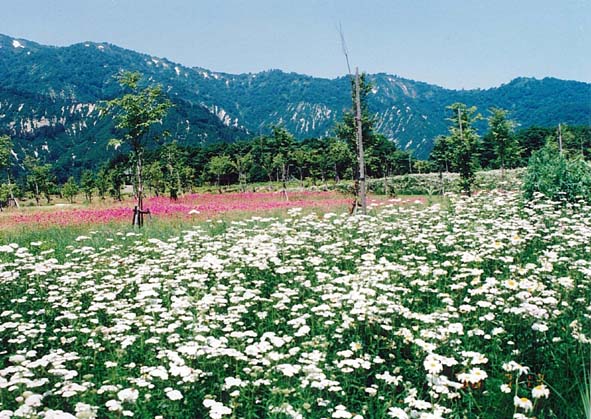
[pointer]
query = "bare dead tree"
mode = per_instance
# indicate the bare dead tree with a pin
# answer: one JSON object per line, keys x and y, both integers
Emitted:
{"x": 360, "y": 190}
{"x": 345, "y": 50}
{"x": 360, "y": 153}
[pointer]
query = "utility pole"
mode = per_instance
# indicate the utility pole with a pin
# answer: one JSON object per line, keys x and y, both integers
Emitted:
{"x": 361, "y": 157}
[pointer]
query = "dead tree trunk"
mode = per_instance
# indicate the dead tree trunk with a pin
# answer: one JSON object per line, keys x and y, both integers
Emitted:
{"x": 360, "y": 154}
{"x": 12, "y": 198}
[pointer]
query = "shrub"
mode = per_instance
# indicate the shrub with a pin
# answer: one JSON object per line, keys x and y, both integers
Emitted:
{"x": 557, "y": 177}
{"x": 433, "y": 183}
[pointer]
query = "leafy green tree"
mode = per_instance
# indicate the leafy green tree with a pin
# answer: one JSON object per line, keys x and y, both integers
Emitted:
{"x": 442, "y": 155}
{"x": 40, "y": 178}
{"x": 531, "y": 139}
{"x": 154, "y": 178}
{"x": 504, "y": 143}
{"x": 5, "y": 165}
{"x": 102, "y": 181}
{"x": 357, "y": 122}
{"x": 284, "y": 145}
{"x": 174, "y": 161}
{"x": 187, "y": 176}
{"x": 340, "y": 158}
{"x": 88, "y": 184}
{"x": 401, "y": 166}
{"x": 320, "y": 165}
{"x": 463, "y": 141}
{"x": 262, "y": 152}
{"x": 576, "y": 140}
{"x": 582, "y": 139}
{"x": 280, "y": 163}
{"x": 7, "y": 191}
{"x": 116, "y": 180}
{"x": 219, "y": 166}
{"x": 70, "y": 189}
{"x": 380, "y": 157}
{"x": 242, "y": 164}
{"x": 301, "y": 158}
{"x": 422, "y": 166}
{"x": 135, "y": 114}
{"x": 5, "y": 152}
{"x": 572, "y": 142}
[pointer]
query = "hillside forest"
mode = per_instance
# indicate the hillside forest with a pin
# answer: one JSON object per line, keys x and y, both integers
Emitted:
{"x": 172, "y": 169}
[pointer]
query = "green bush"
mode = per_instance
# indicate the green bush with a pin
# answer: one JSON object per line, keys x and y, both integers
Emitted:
{"x": 433, "y": 183}
{"x": 557, "y": 177}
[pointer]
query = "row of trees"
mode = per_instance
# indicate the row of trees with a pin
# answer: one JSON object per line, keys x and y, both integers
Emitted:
{"x": 463, "y": 151}
{"x": 39, "y": 181}
{"x": 172, "y": 169}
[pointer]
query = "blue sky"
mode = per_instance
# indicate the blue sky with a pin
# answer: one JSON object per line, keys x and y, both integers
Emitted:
{"x": 452, "y": 43}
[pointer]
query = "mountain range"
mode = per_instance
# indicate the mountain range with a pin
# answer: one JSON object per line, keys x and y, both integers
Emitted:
{"x": 49, "y": 99}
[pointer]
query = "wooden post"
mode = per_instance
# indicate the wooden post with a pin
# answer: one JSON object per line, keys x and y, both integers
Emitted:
{"x": 361, "y": 157}
{"x": 138, "y": 216}
{"x": 136, "y": 220}
{"x": 140, "y": 186}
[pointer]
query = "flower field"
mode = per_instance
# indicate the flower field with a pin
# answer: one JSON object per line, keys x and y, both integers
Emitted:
{"x": 476, "y": 309}
{"x": 190, "y": 206}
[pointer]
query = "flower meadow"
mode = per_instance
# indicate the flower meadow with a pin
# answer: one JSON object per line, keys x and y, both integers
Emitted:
{"x": 476, "y": 309}
{"x": 188, "y": 207}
